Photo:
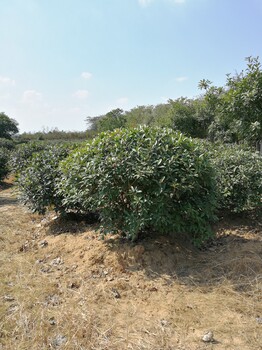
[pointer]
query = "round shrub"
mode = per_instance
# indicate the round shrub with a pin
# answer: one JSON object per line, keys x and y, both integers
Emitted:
{"x": 37, "y": 181}
{"x": 239, "y": 178}
{"x": 142, "y": 178}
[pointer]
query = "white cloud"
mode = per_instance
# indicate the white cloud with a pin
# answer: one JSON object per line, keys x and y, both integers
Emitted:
{"x": 178, "y": 1}
{"x": 86, "y": 75}
{"x": 144, "y": 3}
{"x": 81, "y": 94}
{"x": 31, "y": 97}
{"x": 6, "y": 81}
{"x": 122, "y": 101}
{"x": 181, "y": 79}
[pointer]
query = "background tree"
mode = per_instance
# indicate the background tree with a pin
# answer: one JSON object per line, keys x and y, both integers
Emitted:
{"x": 112, "y": 120}
{"x": 237, "y": 106}
{"x": 140, "y": 115}
{"x": 231, "y": 113}
{"x": 190, "y": 116}
{"x": 8, "y": 126}
{"x": 162, "y": 116}
{"x": 149, "y": 115}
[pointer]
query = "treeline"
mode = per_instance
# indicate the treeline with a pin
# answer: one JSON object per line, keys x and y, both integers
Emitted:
{"x": 231, "y": 113}
{"x": 183, "y": 114}
{"x": 55, "y": 135}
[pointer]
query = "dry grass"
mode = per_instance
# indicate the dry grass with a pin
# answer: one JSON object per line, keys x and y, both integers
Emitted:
{"x": 75, "y": 291}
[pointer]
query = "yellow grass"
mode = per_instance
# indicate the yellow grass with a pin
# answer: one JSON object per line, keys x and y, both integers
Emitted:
{"x": 75, "y": 291}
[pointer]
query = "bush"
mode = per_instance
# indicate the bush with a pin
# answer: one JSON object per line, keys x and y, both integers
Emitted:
{"x": 142, "y": 178}
{"x": 7, "y": 144}
{"x": 21, "y": 156}
{"x": 239, "y": 179}
{"x": 3, "y": 163}
{"x": 37, "y": 180}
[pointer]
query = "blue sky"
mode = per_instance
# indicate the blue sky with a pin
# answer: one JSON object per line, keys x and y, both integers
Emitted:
{"x": 64, "y": 60}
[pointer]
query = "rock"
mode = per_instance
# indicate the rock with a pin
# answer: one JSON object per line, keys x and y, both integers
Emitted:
{"x": 39, "y": 261}
{"x": 52, "y": 300}
{"x": 57, "y": 261}
{"x": 164, "y": 323}
{"x": 24, "y": 247}
{"x": 74, "y": 285}
{"x": 8, "y": 298}
{"x": 110, "y": 279}
{"x": 52, "y": 321}
{"x": 44, "y": 222}
{"x": 45, "y": 269}
{"x": 259, "y": 320}
{"x": 54, "y": 218}
{"x": 116, "y": 293}
{"x": 12, "y": 309}
{"x": 43, "y": 243}
{"x": 59, "y": 340}
{"x": 208, "y": 337}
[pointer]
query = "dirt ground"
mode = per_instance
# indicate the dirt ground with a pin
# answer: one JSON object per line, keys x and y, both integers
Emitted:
{"x": 63, "y": 287}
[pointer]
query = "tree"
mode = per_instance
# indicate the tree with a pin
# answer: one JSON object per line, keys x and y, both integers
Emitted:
{"x": 237, "y": 106}
{"x": 149, "y": 115}
{"x": 112, "y": 120}
{"x": 190, "y": 116}
{"x": 140, "y": 115}
{"x": 162, "y": 115}
{"x": 8, "y": 126}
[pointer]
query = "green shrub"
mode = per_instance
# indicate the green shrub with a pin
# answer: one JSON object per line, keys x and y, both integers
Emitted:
{"x": 37, "y": 180}
{"x": 3, "y": 163}
{"x": 7, "y": 144}
{"x": 21, "y": 156}
{"x": 239, "y": 177}
{"x": 142, "y": 178}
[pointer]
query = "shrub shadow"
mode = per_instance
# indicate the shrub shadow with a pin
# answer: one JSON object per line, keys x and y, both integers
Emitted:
{"x": 230, "y": 256}
{"x": 5, "y": 185}
{"x": 8, "y": 201}
{"x": 72, "y": 223}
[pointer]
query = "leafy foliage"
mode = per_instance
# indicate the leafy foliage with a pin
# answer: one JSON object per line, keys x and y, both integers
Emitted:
{"x": 140, "y": 115}
{"x": 190, "y": 116}
{"x": 142, "y": 178}
{"x": 239, "y": 179}
{"x": 7, "y": 144}
{"x": 108, "y": 122}
{"x": 237, "y": 106}
{"x": 3, "y": 163}
{"x": 55, "y": 135}
{"x": 38, "y": 177}
{"x": 8, "y": 126}
{"x": 21, "y": 156}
